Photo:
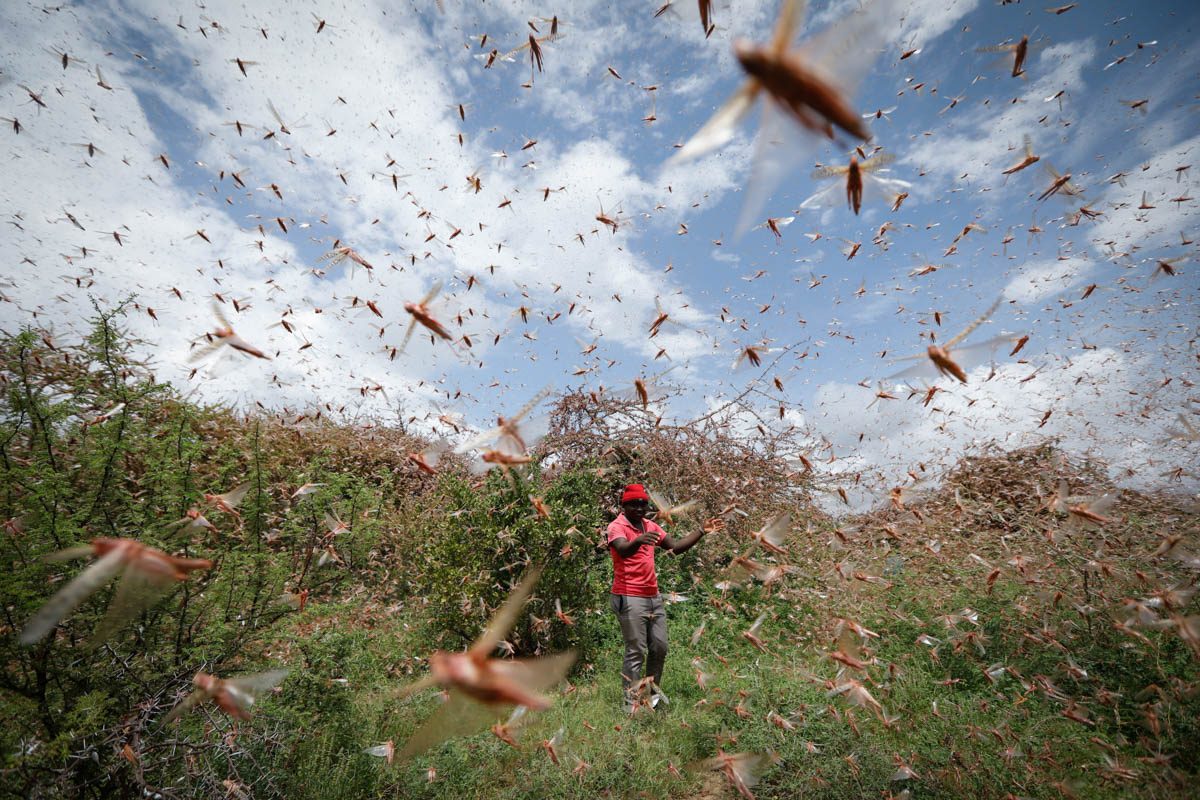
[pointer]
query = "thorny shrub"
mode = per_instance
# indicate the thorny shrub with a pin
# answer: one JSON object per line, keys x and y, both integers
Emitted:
{"x": 744, "y": 478}
{"x": 477, "y": 550}
{"x": 91, "y": 445}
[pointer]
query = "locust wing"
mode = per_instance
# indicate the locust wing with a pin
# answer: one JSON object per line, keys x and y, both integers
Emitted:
{"x": 502, "y": 621}
{"x": 68, "y": 598}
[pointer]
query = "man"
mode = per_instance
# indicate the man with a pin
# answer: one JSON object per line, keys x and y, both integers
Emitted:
{"x": 635, "y": 598}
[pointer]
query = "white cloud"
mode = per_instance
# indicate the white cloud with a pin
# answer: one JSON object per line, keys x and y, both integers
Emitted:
{"x": 922, "y": 21}
{"x": 1043, "y": 278}
{"x": 317, "y": 84}
{"x": 925, "y": 20}
{"x": 984, "y": 140}
{"x": 1095, "y": 398}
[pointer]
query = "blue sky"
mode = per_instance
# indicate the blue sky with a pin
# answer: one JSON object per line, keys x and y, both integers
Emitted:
{"x": 374, "y": 95}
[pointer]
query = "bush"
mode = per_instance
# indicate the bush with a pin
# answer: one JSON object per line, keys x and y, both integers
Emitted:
{"x": 477, "y": 552}
{"x": 93, "y": 446}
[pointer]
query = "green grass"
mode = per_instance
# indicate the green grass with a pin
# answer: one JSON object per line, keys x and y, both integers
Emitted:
{"x": 985, "y": 740}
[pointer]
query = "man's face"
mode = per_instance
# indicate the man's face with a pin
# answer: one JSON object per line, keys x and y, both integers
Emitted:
{"x": 635, "y": 510}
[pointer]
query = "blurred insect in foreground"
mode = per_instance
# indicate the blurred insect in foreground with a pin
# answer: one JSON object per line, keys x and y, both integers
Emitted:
{"x": 859, "y": 182}
{"x": 479, "y": 684}
{"x": 149, "y": 574}
{"x": 949, "y": 359}
{"x": 224, "y": 336}
{"x": 511, "y": 440}
{"x": 704, "y": 6}
{"x": 420, "y": 313}
{"x": 234, "y": 696}
{"x": 741, "y": 769}
{"x": 811, "y": 84}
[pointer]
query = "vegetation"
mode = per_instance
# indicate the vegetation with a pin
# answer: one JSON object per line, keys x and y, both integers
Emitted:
{"x": 1010, "y": 645}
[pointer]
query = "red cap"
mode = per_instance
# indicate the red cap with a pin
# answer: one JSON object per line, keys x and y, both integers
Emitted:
{"x": 634, "y": 491}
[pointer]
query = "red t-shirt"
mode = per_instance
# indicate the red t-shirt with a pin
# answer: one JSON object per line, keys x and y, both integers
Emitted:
{"x": 634, "y": 575}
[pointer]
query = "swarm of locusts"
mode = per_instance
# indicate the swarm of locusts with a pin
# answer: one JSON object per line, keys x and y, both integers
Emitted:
{"x": 1017, "y": 617}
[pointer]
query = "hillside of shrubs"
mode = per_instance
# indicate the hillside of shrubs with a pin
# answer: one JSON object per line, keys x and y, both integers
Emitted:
{"x": 1024, "y": 629}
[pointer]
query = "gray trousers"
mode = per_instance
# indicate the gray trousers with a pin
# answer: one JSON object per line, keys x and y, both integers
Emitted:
{"x": 644, "y": 627}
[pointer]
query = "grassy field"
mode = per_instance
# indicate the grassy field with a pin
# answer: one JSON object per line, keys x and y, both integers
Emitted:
{"x": 960, "y": 723}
